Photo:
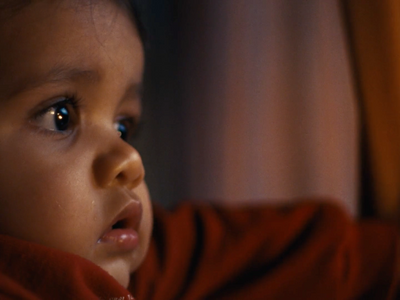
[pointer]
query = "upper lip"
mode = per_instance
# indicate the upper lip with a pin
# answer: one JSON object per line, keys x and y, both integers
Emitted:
{"x": 129, "y": 217}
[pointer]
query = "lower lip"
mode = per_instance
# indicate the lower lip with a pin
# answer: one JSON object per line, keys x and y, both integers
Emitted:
{"x": 122, "y": 239}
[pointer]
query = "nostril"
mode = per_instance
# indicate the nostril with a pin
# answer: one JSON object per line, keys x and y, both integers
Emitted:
{"x": 130, "y": 180}
{"x": 121, "y": 177}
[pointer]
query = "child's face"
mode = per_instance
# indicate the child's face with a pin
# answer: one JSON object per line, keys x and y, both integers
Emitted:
{"x": 70, "y": 74}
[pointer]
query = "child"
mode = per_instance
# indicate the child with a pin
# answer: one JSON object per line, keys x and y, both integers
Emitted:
{"x": 70, "y": 80}
{"x": 75, "y": 214}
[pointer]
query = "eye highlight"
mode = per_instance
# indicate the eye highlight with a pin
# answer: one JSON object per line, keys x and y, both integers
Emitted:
{"x": 59, "y": 117}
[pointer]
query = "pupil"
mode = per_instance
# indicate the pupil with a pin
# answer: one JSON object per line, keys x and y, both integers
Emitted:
{"x": 62, "y": 118}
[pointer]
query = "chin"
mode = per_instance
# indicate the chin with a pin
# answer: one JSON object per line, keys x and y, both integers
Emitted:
{"x": 120, "y": 270}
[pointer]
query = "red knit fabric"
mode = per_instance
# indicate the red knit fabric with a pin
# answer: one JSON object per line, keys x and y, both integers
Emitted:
{"x": 309, "y": 251}
{"x": 31, "y": 271}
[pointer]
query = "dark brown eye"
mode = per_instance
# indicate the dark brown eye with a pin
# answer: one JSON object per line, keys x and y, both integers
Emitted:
{"x": 57, "y": 117}
{"x": 123, "y": 130}
{"x": 126, "y": 127}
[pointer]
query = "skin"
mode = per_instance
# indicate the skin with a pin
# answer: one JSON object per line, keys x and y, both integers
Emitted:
{"x": 64, "y": 188}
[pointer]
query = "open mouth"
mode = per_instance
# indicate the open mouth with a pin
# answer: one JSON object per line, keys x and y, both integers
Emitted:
{"x": 123, "y": 233}
{"x": 120, "y": 225}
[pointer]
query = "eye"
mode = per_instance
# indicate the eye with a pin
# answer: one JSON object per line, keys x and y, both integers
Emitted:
{"x": 126, "y": 127}
{"x": 58, "y": 117}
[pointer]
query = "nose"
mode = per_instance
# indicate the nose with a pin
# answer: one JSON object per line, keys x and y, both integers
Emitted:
{"x": 121, "y": 165}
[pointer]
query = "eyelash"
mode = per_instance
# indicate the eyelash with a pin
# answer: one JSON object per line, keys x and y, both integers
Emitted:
{"x": 72, "y": 100}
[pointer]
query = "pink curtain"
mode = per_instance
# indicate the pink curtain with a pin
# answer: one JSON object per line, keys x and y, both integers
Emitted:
{"x": 271, "y": 112}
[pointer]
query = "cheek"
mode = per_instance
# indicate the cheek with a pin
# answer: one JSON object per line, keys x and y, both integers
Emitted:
{"x": 41, "y": 197}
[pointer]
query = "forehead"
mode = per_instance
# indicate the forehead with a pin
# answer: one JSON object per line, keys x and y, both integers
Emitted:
{"x": 46, "y": 34}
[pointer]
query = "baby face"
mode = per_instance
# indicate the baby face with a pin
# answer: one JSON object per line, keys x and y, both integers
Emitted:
{"x": 70, "y": 74}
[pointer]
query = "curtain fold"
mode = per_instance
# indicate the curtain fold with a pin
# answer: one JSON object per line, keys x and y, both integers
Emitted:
{"x": 374, "y": 31}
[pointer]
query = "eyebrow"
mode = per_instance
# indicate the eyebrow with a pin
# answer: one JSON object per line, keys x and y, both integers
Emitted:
{"x": 59, "y": 73}
{"x": 134, "y": 91}
{"x": 55, "y": 75}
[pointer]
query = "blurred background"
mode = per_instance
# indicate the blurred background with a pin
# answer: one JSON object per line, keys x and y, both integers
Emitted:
{"x": 264, "y": 101}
